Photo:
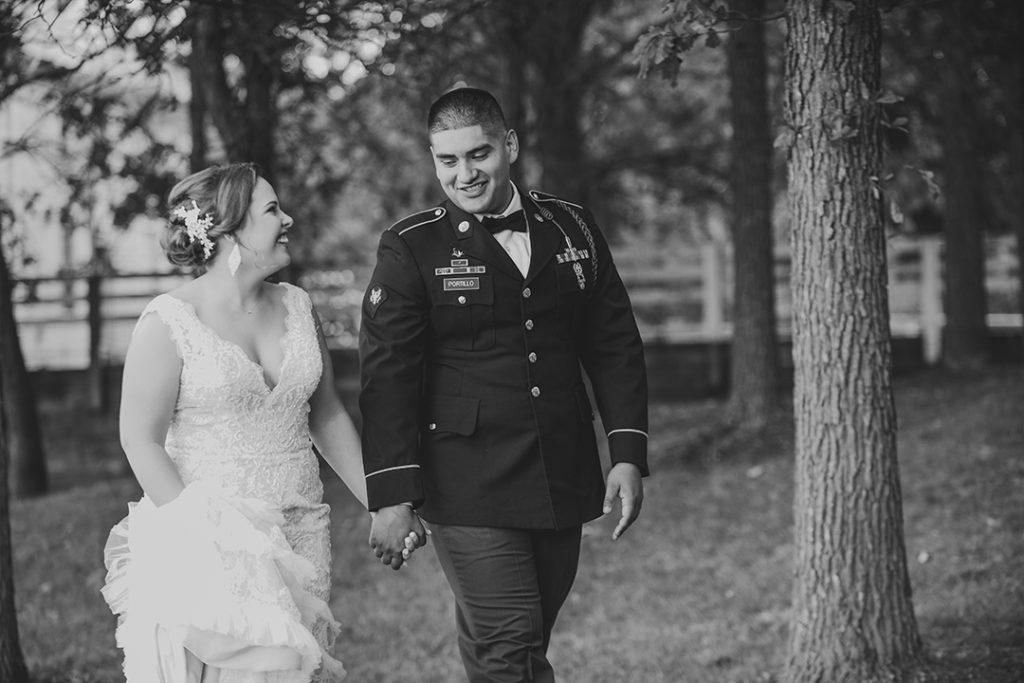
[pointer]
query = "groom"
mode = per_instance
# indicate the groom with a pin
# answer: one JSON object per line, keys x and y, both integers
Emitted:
{"x": 479, "y": 315}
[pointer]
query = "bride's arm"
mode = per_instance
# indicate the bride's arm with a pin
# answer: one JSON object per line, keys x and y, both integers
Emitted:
{"x": 149, "y": 390}
{"x": 332, "y": 430}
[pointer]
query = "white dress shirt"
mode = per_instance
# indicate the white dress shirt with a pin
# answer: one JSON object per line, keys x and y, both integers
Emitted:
{"x": 516, "y": 244}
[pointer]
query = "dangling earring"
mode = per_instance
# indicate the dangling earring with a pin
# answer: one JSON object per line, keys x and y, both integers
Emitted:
{"x": 234, "y": 258}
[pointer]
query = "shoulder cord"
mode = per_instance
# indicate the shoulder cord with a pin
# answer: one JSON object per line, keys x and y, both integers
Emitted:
{"x": 586, "y": 233}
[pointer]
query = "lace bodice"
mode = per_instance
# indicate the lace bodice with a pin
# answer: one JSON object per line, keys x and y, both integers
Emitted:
{"x": 228, "y": 425}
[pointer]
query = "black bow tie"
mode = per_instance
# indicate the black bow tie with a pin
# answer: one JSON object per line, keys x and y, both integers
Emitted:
{"x": 515, "y": 221}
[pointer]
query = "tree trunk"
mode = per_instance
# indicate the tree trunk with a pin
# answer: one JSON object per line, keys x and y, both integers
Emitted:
{"x": 1018, "y": 158}
{"x": 513, "y": 22}
{"x": 966, "y": 336}
{"x": 554, "y": 49}
{"x": 852, "y": 618}
{"x": 27, "y": 473}
{"x": 754, "y": 374}
{"x": 260, "y": 112}
{"x": 197, "y": 102}
{"x": 207, "y": 73}
{"x": 245, "y": 117}
{"x": 12, "y": 662}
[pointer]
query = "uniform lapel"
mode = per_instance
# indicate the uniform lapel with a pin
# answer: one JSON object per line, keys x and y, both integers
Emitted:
{"x": 472, "y": 239}
{"x": 545, "y": 238}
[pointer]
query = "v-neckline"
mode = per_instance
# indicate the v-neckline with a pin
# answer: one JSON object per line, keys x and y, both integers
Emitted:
{"x": 285, "y": 354}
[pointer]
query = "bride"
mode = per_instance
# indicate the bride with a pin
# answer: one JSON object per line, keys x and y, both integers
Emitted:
{"x": 221, "y": 572}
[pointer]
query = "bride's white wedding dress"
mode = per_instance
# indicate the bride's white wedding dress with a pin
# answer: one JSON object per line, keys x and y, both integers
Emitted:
{"x": 229, "y": 582}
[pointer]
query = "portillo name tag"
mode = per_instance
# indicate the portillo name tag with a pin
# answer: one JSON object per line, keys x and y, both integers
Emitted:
{"x": 453, "y": 284}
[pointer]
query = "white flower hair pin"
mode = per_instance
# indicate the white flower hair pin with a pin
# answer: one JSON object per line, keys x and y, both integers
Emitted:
{"x": 197, "y": 225}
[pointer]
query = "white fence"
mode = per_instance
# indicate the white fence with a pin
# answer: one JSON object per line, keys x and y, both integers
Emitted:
{"x": 684, "y": 294}
{"x": 680, "y": 294}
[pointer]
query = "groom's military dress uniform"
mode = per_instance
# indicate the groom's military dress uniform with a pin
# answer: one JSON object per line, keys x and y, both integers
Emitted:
{"x": 473, "y": 404}
{"x": 474, "y": 409}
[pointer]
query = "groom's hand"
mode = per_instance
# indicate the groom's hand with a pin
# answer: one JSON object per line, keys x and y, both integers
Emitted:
{"x": 389, "y": 530}
{"x": 624, "y": 483}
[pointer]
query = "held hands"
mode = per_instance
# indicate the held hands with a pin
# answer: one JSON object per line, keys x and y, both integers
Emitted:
{"x": 624, "y": 482}
{"x": 395, "y": 533}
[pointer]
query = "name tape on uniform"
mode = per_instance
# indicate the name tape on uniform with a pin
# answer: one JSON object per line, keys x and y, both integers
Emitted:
{"x": 452, "y": 284}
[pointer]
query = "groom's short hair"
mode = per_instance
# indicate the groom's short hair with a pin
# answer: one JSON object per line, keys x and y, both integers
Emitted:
{"x": 464, "y": 107}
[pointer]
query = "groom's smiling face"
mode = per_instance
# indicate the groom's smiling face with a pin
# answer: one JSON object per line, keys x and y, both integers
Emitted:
{"x": 473, "y": 166}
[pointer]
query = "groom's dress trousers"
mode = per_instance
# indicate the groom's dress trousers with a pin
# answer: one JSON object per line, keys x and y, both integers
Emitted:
{"x": 473, "y": 401}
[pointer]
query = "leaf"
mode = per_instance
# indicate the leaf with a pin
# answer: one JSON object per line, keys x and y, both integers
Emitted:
{"x": 844, "y": 6}
{"x": 785, "y": 138}
{"x": 841, "y": 129}
{"x": 888, "y": 97}
{"x": 895, "y": 213}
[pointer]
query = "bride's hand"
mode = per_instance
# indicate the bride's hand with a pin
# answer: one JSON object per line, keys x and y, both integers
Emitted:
{"x": 411, "y": 541}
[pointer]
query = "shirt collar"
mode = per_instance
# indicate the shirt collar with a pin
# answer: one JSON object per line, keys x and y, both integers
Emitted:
{"x": 514, "y": 205}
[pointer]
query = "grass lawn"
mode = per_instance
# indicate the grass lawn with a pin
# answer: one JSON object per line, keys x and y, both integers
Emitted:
{"x": 697, "y": 592}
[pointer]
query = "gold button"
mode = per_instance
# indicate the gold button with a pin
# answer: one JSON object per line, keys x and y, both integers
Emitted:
{"x": 438, "y": 212}
{"x": 432, "y": 426}
{"x": 526, "y": 293}
{"x": 462, "y": 299}
{"x": 532, "y": 357}
{"x": 540, "y": 219}
{"x": 535, "y": 392}
{"x": 464, "y": 226}
{"x": 529, "y": 324}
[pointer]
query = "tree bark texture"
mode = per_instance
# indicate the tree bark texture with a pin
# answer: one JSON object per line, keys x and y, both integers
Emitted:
{"x": 754, "y": 373}
{"x": 965, "y": 340}
{"x": 26, "y": 474}
{"x": 852, "y": 618}
{"x": 12, "y": 662}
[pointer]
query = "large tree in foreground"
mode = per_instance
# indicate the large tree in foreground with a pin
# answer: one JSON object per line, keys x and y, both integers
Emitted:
{"x": 852, "y": 616}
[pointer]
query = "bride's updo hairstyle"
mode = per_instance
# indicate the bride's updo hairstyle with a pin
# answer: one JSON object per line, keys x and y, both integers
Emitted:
{"x": 222, "y": 195}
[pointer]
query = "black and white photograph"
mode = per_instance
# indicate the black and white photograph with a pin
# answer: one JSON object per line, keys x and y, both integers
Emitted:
{"x": 511, "y": 341}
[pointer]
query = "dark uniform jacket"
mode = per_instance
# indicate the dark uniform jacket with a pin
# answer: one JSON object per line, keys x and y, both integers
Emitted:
{"x": 473, "y": 402}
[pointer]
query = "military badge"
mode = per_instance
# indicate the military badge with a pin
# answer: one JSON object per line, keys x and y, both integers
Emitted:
{"x": 374, "y": 298}
{"x": 580, "y": 277}
{"x": 571, "y": 254}
{"x": 460, "y": 270}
